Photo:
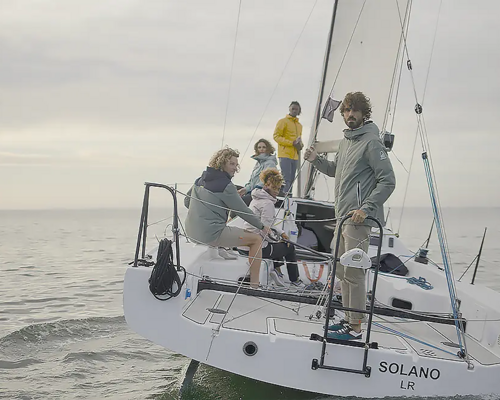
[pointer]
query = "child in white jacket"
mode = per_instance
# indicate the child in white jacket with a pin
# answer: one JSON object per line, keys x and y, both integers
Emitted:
{"x": 262, "y": 205}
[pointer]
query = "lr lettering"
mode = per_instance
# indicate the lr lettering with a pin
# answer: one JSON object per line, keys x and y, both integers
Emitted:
{"x": 407, "y": 385}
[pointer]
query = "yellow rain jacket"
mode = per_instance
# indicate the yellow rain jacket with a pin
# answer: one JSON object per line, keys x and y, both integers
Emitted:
{"x": 287, "y": 130}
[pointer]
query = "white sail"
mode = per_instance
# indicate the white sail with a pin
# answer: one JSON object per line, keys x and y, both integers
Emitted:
{"x": 363, "y": 55}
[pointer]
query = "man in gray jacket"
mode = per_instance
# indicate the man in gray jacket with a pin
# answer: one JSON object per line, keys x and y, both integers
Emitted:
{"x": 364, "y": 180}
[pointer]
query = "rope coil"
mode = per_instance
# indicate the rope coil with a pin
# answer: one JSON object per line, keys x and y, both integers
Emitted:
{"x": 165, "y": 282}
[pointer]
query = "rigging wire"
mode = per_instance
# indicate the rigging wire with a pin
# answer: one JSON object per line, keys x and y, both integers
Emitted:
{"x": 287, "y": 194}
{"x": 399, "y": 54}
{"x": 422, "y": 128}
{"x": 312, "y": 172}
{"x": 245, "y": 213}
{"x": 397, "y": 158}
{"x": 406, "y": 336}
{"x": 423, "y": 100}
{"x": 342, "y": 61}
{"x": 433, "y": 192}
{"x": 400, "y": 69}
{"x": 348, "y": 46}
{"x": 231, "y": 75}
{"x": 400, "y": 74}
{"x": 432, "y": 52}
{"x": 279, "y": 80}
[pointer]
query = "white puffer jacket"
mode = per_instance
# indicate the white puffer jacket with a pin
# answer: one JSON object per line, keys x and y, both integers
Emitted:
{"x": 262, "y": 206}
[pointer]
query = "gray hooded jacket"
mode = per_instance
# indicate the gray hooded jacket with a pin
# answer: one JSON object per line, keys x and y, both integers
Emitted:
{"x": 264, "y": 161}
{"x": 212, "y": 195}
{"x": 364, "y": 178}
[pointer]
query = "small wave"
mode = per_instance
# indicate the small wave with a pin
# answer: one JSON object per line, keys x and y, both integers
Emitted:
{"x": 64, "y": 329}
{"x": 46, "y": 299}
{"x": 19, "y": 364}
{"x": 102, "y": 356}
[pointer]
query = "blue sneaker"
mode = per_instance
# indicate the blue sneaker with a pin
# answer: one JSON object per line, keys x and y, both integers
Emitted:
{"x": 345, "y": 333}
{"x": 337, "y": 327}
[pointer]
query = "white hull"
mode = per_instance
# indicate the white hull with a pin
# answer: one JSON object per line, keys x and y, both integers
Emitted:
{"x": 281, "y": 331}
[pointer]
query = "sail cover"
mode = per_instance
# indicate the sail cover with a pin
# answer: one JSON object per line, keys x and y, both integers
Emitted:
{"x": 363, "y": 54}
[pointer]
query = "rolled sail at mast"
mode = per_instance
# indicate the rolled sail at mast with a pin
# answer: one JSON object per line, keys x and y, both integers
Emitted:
{"x": 363, "y": 54}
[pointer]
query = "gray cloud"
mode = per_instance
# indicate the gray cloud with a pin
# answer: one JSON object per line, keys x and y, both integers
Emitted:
{"x": 138, "y": 92}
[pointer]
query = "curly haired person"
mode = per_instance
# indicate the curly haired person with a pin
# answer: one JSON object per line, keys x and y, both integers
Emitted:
{"x": 209, "y": 201}
{"x": 364, "y": 180}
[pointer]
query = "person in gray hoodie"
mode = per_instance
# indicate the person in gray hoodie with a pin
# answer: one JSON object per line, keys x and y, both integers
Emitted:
{"x": 265, "y": 158}
{"x": 209, "y": 201}
{"x": 364, "y": 180}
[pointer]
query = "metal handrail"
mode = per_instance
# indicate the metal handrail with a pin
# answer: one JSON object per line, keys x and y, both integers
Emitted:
{"x": 143, "y": 226}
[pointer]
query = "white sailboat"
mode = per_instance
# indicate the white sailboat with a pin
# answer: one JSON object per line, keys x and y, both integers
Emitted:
{"x": 427, "y": 335}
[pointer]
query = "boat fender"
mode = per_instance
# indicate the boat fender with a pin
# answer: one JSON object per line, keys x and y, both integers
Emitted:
{"x": 356, "y": 258}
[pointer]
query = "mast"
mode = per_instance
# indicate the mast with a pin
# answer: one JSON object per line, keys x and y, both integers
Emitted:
{"x": 317, "y": 115}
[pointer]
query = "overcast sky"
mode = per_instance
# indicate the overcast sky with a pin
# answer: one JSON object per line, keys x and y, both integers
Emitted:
{"x": 98, "y": 96}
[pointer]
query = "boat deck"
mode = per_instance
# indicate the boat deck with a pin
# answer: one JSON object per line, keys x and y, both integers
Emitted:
{"x": 275, "y": 317}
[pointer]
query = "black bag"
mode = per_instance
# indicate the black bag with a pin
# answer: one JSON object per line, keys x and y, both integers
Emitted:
{"x": 390, "y": 264}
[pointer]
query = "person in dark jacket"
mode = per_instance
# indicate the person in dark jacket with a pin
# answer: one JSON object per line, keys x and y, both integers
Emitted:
{"x": 209, "y": 201}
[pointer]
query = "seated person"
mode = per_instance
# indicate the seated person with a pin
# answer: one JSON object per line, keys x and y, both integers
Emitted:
{"x": 209, "y": 201}
{"x": 262, "y": 205}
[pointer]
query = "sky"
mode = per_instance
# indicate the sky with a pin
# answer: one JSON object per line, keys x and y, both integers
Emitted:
{"x": 99, "y": 96}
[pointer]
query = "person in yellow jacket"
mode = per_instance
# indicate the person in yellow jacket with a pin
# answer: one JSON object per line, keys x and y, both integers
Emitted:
{"x": 288, "y": 135}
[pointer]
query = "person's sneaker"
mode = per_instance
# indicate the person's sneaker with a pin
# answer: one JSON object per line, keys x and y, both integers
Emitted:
{"x": 275, "y": 278}
{"x": 298, "y": 284}
{"x": 225, "y": 254}
{"x": 346, "y": 333}
{"x": 276, "y": 288}
{"x": 279, "y": 273}
{"x": 340, "y": 325}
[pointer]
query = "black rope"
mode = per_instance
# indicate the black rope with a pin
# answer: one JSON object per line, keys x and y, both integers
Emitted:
{"x": 164, "y": 277}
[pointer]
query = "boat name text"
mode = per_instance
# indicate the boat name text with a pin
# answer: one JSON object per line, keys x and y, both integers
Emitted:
{"x": 401, "y": 369}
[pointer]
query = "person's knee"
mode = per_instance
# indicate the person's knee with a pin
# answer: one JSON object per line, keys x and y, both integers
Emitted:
{"x": 254, "y": 240}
